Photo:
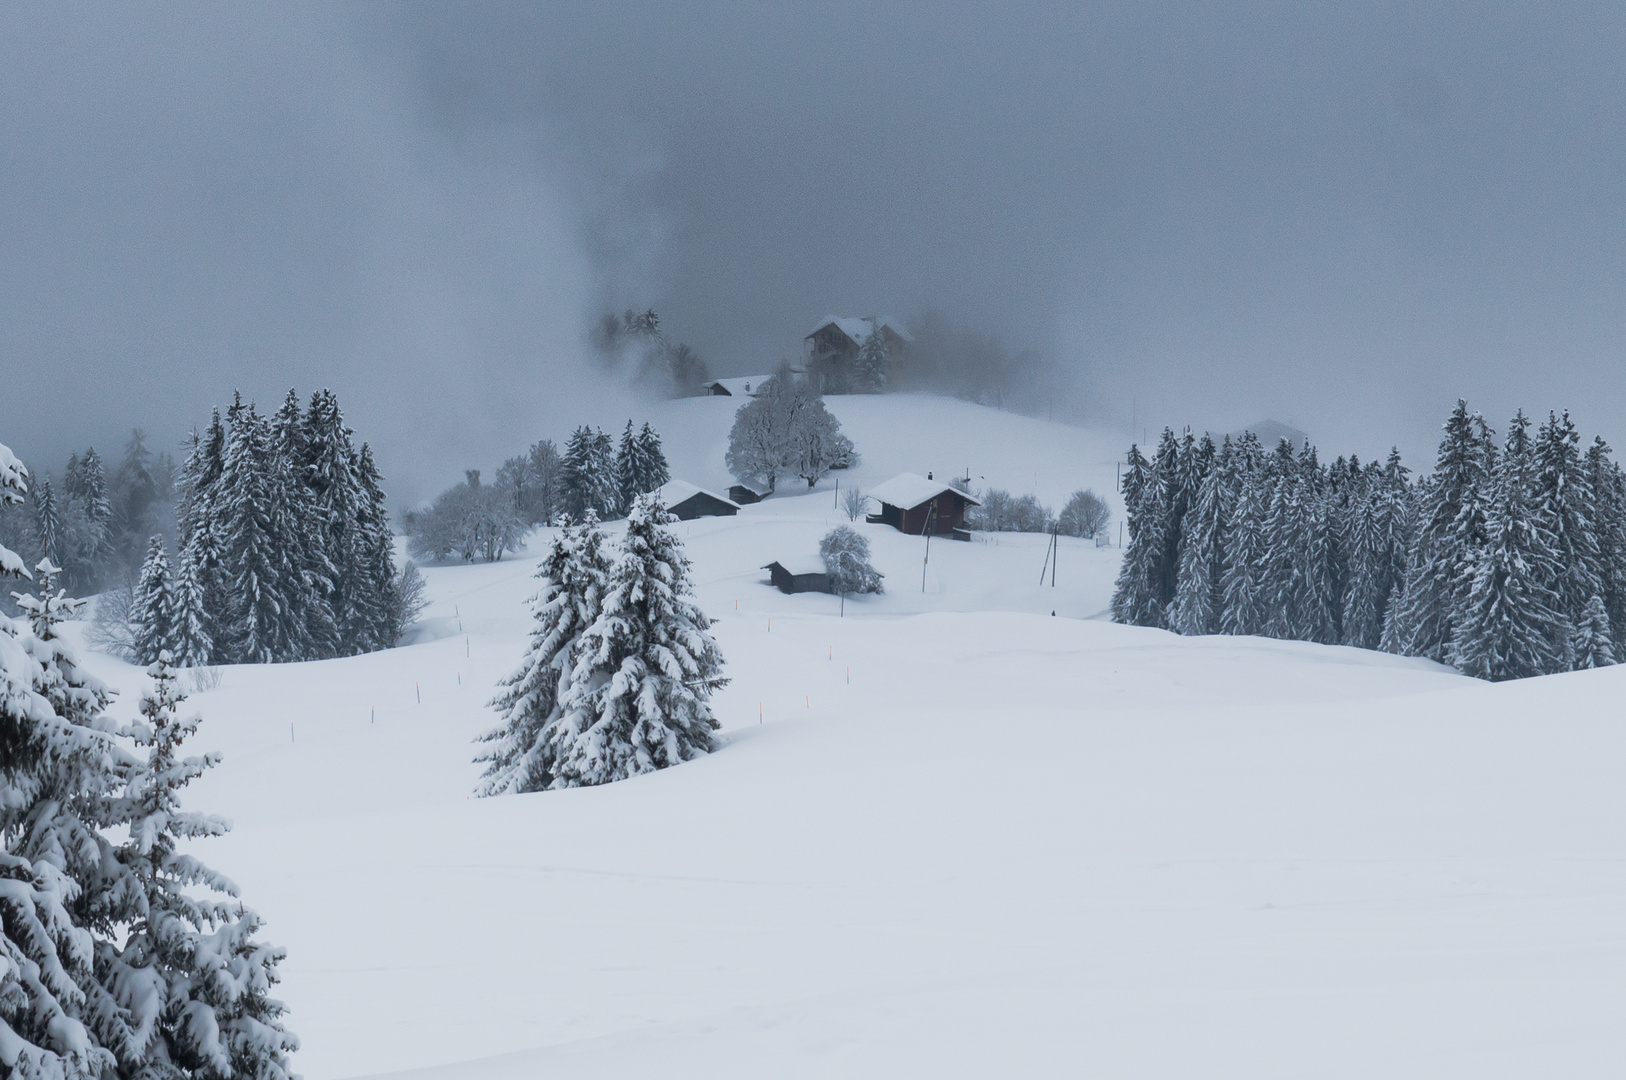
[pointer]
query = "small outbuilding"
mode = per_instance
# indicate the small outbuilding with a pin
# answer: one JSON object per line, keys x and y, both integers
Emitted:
{"x": 745, "y": 494}
{"x": 744, "y": 386}
{"x": 799, "y": 575}
{"x": 913, "y": 504}
{"x": 689, "y": 502}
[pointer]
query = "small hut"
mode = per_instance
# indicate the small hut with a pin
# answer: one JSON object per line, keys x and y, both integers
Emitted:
{"x": 745, "y": 494}
{"x": 689, "y": 502}
{"x": 913, "y": 504}
{"x": 799, "y": 575}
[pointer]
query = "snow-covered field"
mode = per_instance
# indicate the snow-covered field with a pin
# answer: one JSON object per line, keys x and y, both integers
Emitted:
{"x": 947, "y": 835}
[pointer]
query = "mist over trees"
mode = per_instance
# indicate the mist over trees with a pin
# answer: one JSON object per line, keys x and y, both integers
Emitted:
{"x": 477, "y": 521}
{"x": 634, "y": 339}
{"x": 1505, "y": 561}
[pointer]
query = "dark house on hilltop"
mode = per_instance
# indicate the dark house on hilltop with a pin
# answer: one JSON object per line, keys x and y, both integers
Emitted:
{"x": 802, "y": 575}
{"x": 744, "y": 386}
{"x": 689, "y": 502}
{"x": 832, "y": 347}
{"x": 914, "y": 504}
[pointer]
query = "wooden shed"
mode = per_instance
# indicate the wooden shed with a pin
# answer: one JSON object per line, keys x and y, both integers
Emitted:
{"x": 744, "y": 386}
{"x": 800, "y": 575}
{"x": 689, "y": 502}
{"x": 745, "y": 494}
{"x": 911, "y": 503}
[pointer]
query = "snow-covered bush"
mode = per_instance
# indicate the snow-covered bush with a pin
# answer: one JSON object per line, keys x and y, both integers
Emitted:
{"x": 1085, "y": 514}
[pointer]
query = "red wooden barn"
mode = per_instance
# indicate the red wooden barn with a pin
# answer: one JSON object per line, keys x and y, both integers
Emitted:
{"x": 911, "y": 503}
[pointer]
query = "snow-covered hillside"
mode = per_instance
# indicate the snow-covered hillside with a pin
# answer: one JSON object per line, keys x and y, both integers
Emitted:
{"x": 949, "y": 834}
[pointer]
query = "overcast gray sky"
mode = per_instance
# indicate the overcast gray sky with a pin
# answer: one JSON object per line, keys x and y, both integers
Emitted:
{"x": 1343, "y": 216}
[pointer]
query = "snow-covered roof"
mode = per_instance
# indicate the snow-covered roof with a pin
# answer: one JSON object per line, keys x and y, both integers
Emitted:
{"x": 742, "y": 386}
{"x": 675, "y": 491}
{"x": 858, "y": 329}
{"x": 908, "y": 490}
{"x": 800, "y": 565}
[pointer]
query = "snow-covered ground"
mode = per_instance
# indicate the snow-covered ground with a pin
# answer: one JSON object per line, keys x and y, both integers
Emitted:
{"x": 947, "y": 835}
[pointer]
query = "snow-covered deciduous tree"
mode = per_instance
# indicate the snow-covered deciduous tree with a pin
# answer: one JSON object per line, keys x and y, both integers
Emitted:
{"x": 193, "y": 982}
{"x": 846, "y": 563}
{"x": 523, "y": 750}
{"x": 786, "y": 430}
{"x": 1085, "y": 514}
{"x": 645, "y": 670}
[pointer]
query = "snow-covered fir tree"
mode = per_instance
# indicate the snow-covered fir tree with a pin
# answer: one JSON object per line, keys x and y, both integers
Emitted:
{"x": 871, "y": 367}
{"x": 1242, "y": 586}
{"x": 1594, "y": 645}
{"x": 1135, "y": 598}
{"x": 587, "y": 480}
{"x": 652, "y": 457}
{"x": 1198, "y": 598}
{"x": 1562, "y": 507}
{"x": 1608, "y": 487}
{"x": 645, "y": 670}
{"x": 194, "y": 983}
{"x": 48, "y": 520}
{"x": 1511, "y": 625}
{"x": 152, "y": 606}
{"x": 523, "y": 751}
{"x": 188, "y": 638}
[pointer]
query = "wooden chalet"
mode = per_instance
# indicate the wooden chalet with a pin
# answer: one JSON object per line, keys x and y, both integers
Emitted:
{"x": 800, "y": 575}
{"x": 914, "y": 504}
{"x": 833, "y": 345}
{"x": 689, "y": 502}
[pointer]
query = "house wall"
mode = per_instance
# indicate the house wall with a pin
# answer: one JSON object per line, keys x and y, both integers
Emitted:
{"x": 950, "y": 516}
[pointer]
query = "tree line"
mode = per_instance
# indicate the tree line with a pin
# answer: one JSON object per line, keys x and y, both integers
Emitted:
{"x": 473, "y": 520}
{"x": 285, "y": 551}
{"x": 121, "y": 953}
{"x": 1506, "y": 561}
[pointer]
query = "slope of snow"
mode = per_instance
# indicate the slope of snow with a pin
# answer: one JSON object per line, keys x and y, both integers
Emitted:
{"x": 947, "y": 835}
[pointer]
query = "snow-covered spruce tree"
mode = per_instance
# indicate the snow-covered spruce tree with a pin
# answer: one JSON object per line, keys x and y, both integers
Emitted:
{"x": 1562, "y": 506}
{"x": 846, "y": 562}
{"x": 201, "y": 519}
{"x": 152, "y": 615}
{"x": 1135, "y": 596}
{"x": 874, "y": 358}
{"x": 1378, "y": 542}
{"x": 1284, "y": 587}
{"x": 1198, "y": 598}
{"x": 1510, "y": 625}
{"x": 380, "y": 612}
{"x": 588, "y": 475}
{"x": 55, "y": 820}
{"x": 308, "y": 629}
{"x": 189, "y": 642}
{"x": 48, "y": 520}
{"x": 249, "y": 534}
{"x": 45, "y": 958}
{"x": 1451, "y": 530}
{"x": 1594, "y": 645}
{"x": 327, "y": 468}
{"x": 1609, "y": 527}
{"x": 656, "y": 473}
{"x": 1171, "y": 471}
{"x": 639, "y": 697}
{"x": 192, "y": 980}
{"x": 629, "y": 469}
{"x": 1242, "y": 586}
{"x": 522, "y": 752}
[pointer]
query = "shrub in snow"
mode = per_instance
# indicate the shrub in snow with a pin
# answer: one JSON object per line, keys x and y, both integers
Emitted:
{"x": 639, "y": 693}
{"x": 1003, "y": 512}
{"x": 524, "y": 749}
{"x": 1085, "y": 514}
{"x": 854, "y": 503}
